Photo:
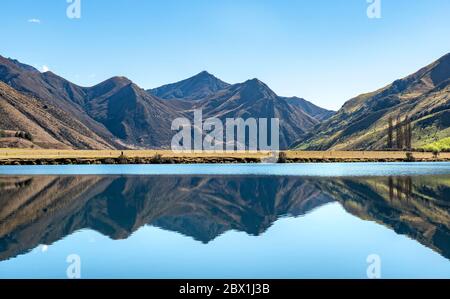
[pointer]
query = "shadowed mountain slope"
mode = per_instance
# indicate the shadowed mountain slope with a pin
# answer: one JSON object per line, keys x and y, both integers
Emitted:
{"x": 255, "y": 99}
{"x": 131, "y": 114}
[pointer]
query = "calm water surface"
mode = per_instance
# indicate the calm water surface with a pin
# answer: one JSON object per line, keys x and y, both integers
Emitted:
{"x": 226, "y": 221}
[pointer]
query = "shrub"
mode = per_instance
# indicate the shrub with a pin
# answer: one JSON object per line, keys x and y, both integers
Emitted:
{"x": 2, "y": 133}
{"x": 122, "y": 159}
{"x": 109, "y": 161}
{"x": 157, "y": 159}
{"x": 410, "y": 157}
{"x": 282, "y": 157}
{"x": 436, "y": 153}
{"x": 28, "y": 136}
{"x": 24, "y": 135}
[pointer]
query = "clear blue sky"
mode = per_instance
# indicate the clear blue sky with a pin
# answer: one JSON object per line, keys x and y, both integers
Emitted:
{"x": 326, "y": 51}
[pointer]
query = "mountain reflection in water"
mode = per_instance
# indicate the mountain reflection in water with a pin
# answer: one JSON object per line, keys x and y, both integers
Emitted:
{"x": 43, "y": 209}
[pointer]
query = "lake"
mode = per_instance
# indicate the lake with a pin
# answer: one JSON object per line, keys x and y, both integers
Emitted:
{"x": 226, "y": 221}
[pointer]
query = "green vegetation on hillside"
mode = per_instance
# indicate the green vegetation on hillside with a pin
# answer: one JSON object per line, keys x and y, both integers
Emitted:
{"x": 442, "y": 145}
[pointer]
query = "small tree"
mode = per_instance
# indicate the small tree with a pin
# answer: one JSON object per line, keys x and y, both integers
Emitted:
{"x": 157, "y": 159}
{"x": 436, "y": 153}
{"x": 28, "y": 136}
{"x": 282, "y": 157}
{"x": 410, "y": 157}
{"x": 122, "y": 159}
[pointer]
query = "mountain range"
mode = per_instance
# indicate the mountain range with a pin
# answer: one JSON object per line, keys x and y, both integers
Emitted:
{"x": 119, "y": 114}
{"x": 116, "y": 113}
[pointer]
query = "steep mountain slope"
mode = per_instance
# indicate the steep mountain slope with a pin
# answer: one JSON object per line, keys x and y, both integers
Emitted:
{"x": 54, "y": 91}
{"x": 195, "y": 88}
{"x": 118, "y": 111}
{"x": 255, "y": 99}
{"x": 362, "y": 123}
{"x": 317, "y": 112}
{"x": 49, "y": 126}
{"x": 131, "y": 114}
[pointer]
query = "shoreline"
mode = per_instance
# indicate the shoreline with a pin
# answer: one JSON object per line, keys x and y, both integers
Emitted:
{"x": 83, "y": 157}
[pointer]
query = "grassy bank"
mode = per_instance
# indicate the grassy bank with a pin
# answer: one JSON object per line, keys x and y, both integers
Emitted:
{"x": 30, "y": 157}
{"x": 59, "y": 157}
